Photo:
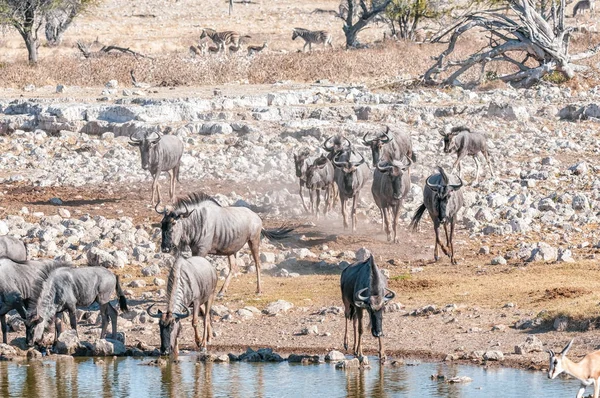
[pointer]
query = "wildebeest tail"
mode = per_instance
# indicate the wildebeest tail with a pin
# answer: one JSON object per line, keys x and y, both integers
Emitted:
{"x": 414, "y": 223}
{"x": 276, "y": 234}
{"x": 122, "y": 299}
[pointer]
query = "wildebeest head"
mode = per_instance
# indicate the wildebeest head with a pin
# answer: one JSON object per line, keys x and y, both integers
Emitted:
{"x": 147, "y": 146}
{"x": 35, "y": 326}
{"x": 342, "y": 162}
{"x": 299, "y": 162}
{"x": 336, "y": 144}
{"x": 377, "y": 143}
{"x": 374, "y": 298}
{"x": 395, "y": 170}
{"x": 443, "y": 192}
{"x": 318, "y": 164}
{"x": 170, "y": 226}
{"x": 449, "y": 133}
{"x": 170, "y": 327}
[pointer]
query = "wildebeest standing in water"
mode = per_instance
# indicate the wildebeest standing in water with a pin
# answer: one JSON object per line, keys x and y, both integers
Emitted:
{"x": 13, "y": 248}
{"x": 160, "y": 153}
{"x": 391, "y": 184}
{"x": 443, "y": 201}
{"x": 350, "y": 177}
{"x": 364, "y": 287}
{"x": 200, "y": 222}
{"x": 67, "y": 288}
{"x": 18, "y": 281}
{"x": 192, "y": 281}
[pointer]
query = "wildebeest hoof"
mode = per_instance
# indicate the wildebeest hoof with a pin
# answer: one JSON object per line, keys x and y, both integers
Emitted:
{"x": 346, "y": 346}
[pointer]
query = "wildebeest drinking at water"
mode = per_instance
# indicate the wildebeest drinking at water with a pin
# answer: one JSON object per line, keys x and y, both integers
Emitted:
{"x": 208, "y": 228}
{"x": 364, "y": 287}
{"x": 192, "y": 281}
{"x": 67, "y": 288}
{"x": 160, "y": 153}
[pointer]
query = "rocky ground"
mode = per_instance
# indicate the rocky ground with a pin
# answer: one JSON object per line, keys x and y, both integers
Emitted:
{"x": 73, "y": 189}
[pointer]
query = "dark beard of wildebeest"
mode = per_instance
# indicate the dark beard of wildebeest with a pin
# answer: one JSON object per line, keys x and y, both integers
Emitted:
{"x": 391, "y": 184}
{"x": 67, "y": 288}
{"x": 160, "y": 153}
{"x": 390, "y": 146}
{"x": 350, "y": 177}
{"x": 200, "y": 222}
{"x": 320, "y": 177}
{"x": 443, "y": 201}
{"x": 18, "y": 282}
{"x": 192, "y": 282}
{"x": 12, "y": 248}
{"x": 301, "y": 162}
{"x": 364, "y": 287}
{"x": 465, "y": 142}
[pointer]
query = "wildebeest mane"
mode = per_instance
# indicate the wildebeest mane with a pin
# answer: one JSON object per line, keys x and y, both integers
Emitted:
{"x": 174, "y": 287}
{"x": 45, "y": 272}
{"x": 458, "y": 129}
{"x": 195, "y": 198}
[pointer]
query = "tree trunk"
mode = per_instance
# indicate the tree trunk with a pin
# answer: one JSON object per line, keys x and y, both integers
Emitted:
{"x": 32, "y": 48}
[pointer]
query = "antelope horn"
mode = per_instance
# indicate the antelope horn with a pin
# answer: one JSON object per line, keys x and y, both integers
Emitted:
{"x": 360, "y": 297}
{"x": 328, "y": 148}
{"x": 365, "y": 141}
{"x": 567, "y": 348}
{"x": 155, "y": 315}
{"x": 181, "y": 316}
{"x": 389, "y": 295}
{"x": 387, "y": 136}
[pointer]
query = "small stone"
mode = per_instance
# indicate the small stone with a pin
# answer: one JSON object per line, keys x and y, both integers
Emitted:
{"x": 56, "y": 201}
{"x": 64, "y": 213}
{"x": 310, "y": 330}
{"x": 277, "y": 307}
{"x": 112, "y": 84}
{"x": 493, "y": 355}
{"x": 335, "y": 356}
{"x": 137, "y": 283}
{"x": 60, "y": 89}
{"x": 498, "y": 261}
{"x": 159, "y": 282}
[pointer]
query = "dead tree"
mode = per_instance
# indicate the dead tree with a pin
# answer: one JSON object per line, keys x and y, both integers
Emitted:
{"x": 541, "y": 43}
{"x": 87, "y": 51}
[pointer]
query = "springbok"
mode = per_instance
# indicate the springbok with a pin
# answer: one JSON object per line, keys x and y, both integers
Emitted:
{"x": 587, "y": 370}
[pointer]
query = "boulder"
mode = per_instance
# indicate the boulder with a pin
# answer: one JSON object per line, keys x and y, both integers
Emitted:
{"x": 99, "y": 257}
{"x": 277, "y": 307}
{"x": 108, "y": 347}
{"x": 68, "y": 344}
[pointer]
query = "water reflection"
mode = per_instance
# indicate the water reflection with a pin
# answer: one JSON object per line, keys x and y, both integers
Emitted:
{"x": 125, "y": 377}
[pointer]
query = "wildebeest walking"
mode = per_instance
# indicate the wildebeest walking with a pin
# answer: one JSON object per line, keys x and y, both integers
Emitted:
{"x": 200, "y": 222}
{"x": 160, "y": 153}
{"x": 390, "y": 146}
{"x": 351, "y": 176}
{"x": 465, "y": 142}
{"x": 335, "y": 145}
{"x": 18, "y": 281}
{"x": 301, "y": 162}
{"x": 13, "y": 248}
{"x": 192, "y": 282}
{"x": 67, "y": 288}
{"x": 391, "y": 184}
{"x": 320, "y": 177}
{"x": 443, "y": 200}
{"x": 364, "y": 287}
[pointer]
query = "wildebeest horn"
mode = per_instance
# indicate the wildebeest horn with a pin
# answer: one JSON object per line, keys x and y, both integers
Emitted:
{"x": 336, "y": 163}
{"x": 359, "y": 295}
{"x": 383, "y": 167}
{"x": 443, "y": 133}
{"x": 164, "y": 210}
{"x": 455, "y": 187}
{"x": 134, "y": 141}
{"x": 365, "y": 141}
{"x": 155, "y": 315}
{"x": 389, "y": 295}
{"x": 187, "y": 212}
{"x": 181, "y": 316}
{"x": 387, "y": 137}
{"x": 406, "y": 158}
{"x": 430, "y": 185}
{"x": 362, "y": 160}
{"x": 158, "y": 137}
{"x": 328, "y": 148}
{"x": 348, "y": 142}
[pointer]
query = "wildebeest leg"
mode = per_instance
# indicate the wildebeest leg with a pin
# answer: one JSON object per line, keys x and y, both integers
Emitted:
{"x": 382, "y": 356}
{"x": 438, "y": 243}
{"x": 386, "y": 223}
{"x": 155, "y": 187}
{"x": 302, "y": 196}
{"x": 4, "y": 328}
{"x": 112, "y": 313}
{"x": 450, "y": 244}
{"x": 207, "y": 323}
{"x": 459, "y": 158}
{"x": 487, "y": 159}
{"x": 172, "y": 184}
{"x": 254, "y": 244}
{"x": 345, "y": 334}
{"x": 104, "y": 313}
{"x": 232, "y": 264}
{"x": 445, "y": 247}
{"x": 396, "y": 211}
{"x": 318, "y": 192}
{"x": 343, "y": 204}
{"x": 359, "y": 315}
{"x": 355, "y": 331}
{"x": 197, "y": 338}
{"x": 476, "y": 170}
{"x": 353, "y": 213}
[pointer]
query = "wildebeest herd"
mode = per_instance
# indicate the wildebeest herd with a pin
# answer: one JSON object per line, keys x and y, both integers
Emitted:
{"x": 39, "y": 290}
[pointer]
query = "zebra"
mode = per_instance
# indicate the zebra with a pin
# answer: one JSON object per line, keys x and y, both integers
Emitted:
{"x": 222, "y": 39}
{"x": 312, "y": 36}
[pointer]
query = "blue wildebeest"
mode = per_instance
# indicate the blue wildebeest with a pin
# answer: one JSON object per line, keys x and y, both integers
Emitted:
{"x": 391, "y": 184}
{"x": 67, "y": 288}
{"x": 200, "y": 222}
{"x": 13, "y": 248}
{"x": 192, "y": 281}
{"x": 364, "y": 287}
{"x": 390, "y": 146}
{"x": 335, "y": 145}
{"x": 160, "y": 153}
{"x": 18, "y": 281}
{"x": 351, "y": 176}
{"x": 443, "y": 200}
{"x": 465, "y": 142}
{"x": 320, "y": 177}
{"x": 301, "y": 162}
